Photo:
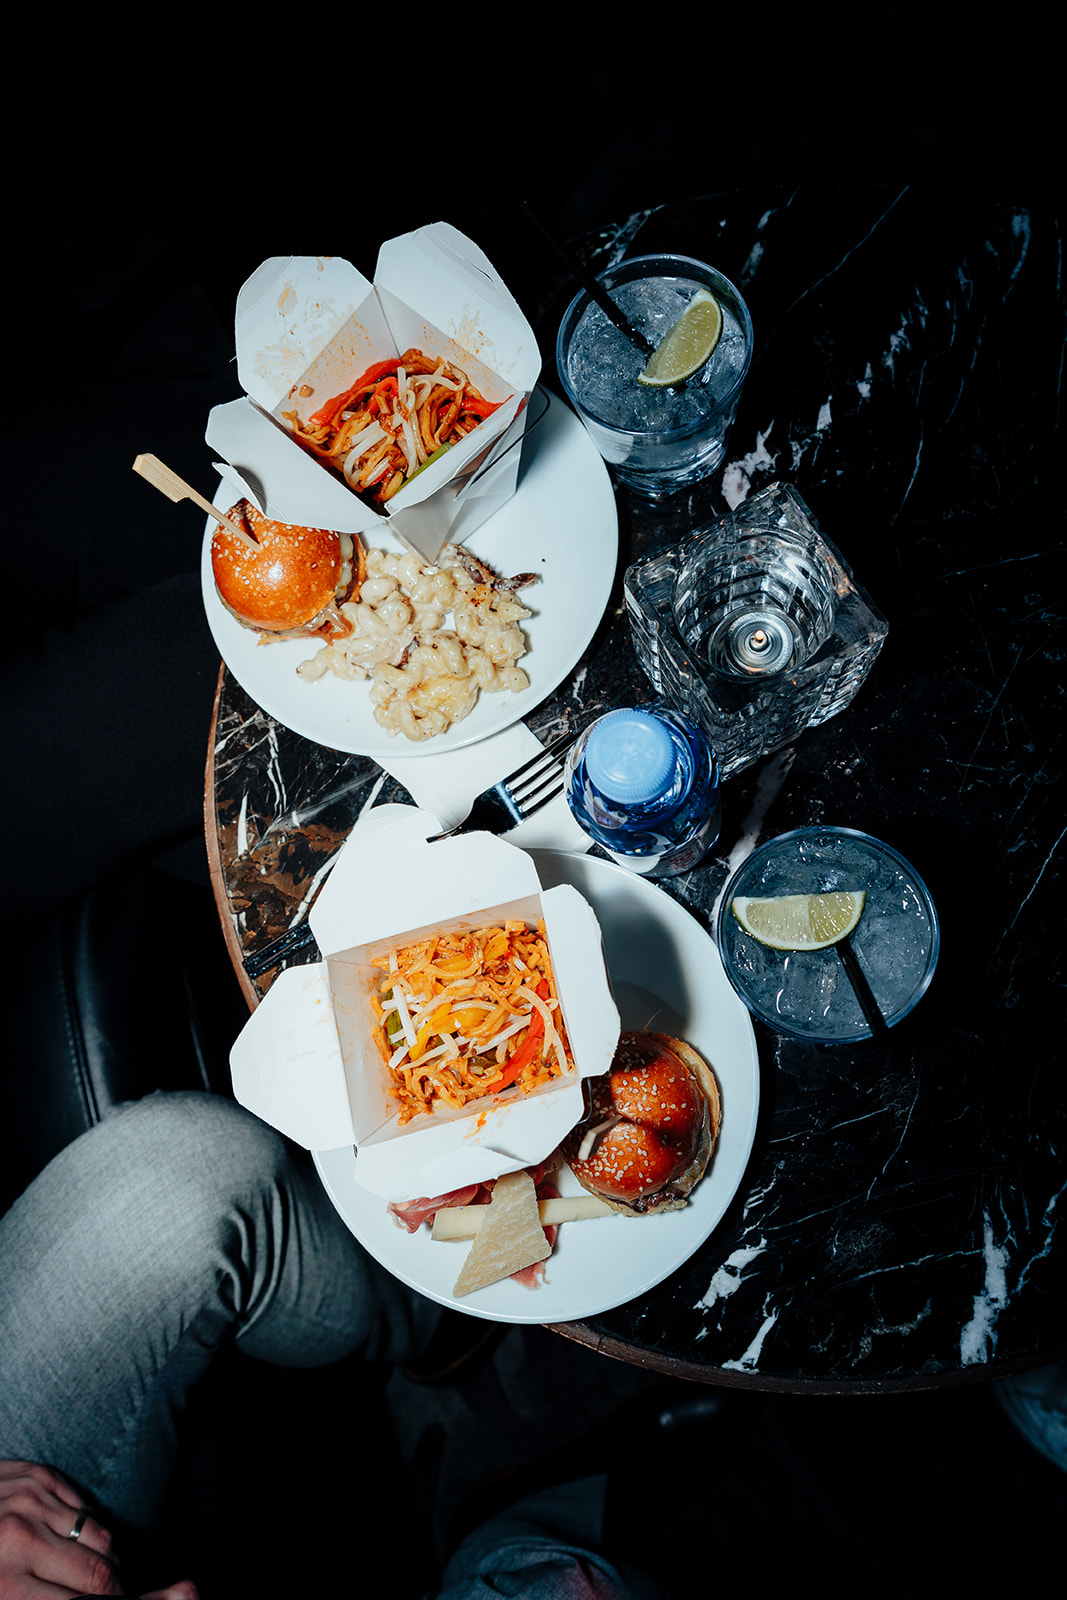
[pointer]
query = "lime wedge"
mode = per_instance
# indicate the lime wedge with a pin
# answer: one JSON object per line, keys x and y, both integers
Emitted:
{"x": 686, "y": 345}
{"x": 800, "y": 921}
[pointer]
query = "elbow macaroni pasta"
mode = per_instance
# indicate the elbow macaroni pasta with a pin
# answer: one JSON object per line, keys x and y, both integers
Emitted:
{"x": 424, "y": 675}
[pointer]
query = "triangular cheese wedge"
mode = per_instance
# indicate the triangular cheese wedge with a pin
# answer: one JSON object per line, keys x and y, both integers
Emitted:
{"x": 510, "y": 1238}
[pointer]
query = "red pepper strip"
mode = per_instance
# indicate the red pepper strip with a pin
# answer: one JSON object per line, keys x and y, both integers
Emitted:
{"x": 527, "y": 1049}
{"x": 384, "y": 392}
{"x": 332, "y": 409}
{"x": 480, "y": 407}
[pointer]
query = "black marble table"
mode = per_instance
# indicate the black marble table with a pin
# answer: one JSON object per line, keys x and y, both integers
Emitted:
{"x": 900, "y": 1224}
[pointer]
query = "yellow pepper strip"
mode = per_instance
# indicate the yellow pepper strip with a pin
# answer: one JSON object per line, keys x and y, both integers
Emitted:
{"x": 436, "y": 1023}
{"x": 468, "y": 1019}
{"x": 496, "y": 948}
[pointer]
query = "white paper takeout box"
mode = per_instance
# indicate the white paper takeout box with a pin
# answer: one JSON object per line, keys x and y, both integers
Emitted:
{"x": 306, "y": 1061}
{"x": 315, "y": 323}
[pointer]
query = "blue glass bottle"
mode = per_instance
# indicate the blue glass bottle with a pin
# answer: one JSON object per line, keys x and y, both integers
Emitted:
{"x": 643, "y": 782}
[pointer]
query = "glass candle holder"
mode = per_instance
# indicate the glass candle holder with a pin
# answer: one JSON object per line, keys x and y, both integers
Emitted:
{"x": 753, "y": 627}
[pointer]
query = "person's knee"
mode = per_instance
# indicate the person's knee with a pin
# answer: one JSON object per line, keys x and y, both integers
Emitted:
{"x": 208, "y": 1144}
{"x": 190, "y": 1176}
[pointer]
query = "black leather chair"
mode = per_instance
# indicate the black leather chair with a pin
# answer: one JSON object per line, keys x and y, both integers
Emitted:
{"x": 124, "y": 990}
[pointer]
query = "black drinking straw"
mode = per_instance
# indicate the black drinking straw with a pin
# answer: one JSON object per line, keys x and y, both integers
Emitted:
{"x": 858, "y": 979}
{"x": 592, "y": 287}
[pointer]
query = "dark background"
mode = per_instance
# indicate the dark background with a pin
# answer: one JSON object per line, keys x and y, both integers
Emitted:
{"x": 149, "y": 177}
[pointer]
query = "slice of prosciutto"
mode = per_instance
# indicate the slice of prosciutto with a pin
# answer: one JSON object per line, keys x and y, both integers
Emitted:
{"x": 411, "y": 1214}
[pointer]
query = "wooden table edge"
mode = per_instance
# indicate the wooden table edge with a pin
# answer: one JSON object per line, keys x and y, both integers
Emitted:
{"x": 214, "y": 856}
{"x": 769, "y": 1382}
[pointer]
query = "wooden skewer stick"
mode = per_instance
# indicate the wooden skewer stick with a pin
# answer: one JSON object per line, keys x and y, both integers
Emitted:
{"x": 175, "y": 488}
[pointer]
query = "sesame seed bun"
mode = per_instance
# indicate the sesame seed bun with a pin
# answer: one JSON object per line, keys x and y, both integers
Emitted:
{"x": 651, "y": 1127}
{"x": 293, "y": 584}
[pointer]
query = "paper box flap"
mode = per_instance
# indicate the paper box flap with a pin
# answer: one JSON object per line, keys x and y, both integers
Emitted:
{"x": 454, "y": 285}
{"x": 286, "y": 1063}
{"x": 289, "y": 310}
{"x": 289, "y": 486}
{"x": 384, "y": 868}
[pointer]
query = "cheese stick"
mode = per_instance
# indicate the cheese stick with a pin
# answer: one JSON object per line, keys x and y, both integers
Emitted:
{"x": 456, "y": 1223}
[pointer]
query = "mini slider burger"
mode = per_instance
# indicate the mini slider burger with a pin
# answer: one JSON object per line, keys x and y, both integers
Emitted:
{"x": 644, "y": 1142}
{"x": 651, "y": 1126}
{"x": 284, "y": 581}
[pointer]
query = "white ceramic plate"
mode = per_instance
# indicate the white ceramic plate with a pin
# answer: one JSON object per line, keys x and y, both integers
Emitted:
{"x": 561, "y": 523}
{"x": 666, "y": 974}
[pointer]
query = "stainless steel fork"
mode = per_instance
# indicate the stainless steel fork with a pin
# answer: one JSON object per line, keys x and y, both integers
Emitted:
{"x": 517, "y": 796}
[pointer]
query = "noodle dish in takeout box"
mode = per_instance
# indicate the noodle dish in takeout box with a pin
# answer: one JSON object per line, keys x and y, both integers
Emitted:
{"x": 310, "y": 329}
{"x": 309, "y": 1061}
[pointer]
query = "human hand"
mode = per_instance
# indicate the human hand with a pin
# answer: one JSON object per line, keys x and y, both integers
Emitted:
{"x": 38, "y": 1557}
{"x": 186, "y": 1590}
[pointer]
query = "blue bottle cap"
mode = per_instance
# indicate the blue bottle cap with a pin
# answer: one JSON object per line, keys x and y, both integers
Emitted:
{"x": 630, "y": 756}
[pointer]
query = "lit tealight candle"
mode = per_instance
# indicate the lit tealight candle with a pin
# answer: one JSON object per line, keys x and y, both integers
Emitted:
{"x": 755, "y": 640}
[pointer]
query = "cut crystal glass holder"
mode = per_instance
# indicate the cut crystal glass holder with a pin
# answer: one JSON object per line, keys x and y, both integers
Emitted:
{"x": 753, "y": 627}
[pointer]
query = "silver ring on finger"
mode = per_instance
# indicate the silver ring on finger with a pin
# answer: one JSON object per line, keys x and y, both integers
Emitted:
{"x": 79, "y": 1523}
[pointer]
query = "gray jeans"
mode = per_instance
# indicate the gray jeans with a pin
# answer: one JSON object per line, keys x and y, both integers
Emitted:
{"x": 177, "y": 1223}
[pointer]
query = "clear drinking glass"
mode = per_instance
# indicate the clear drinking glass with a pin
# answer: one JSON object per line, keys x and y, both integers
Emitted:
{"x": 753, "y": 627}
{"x": 656, "y": 440}
{"x": 807, "y": 993}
